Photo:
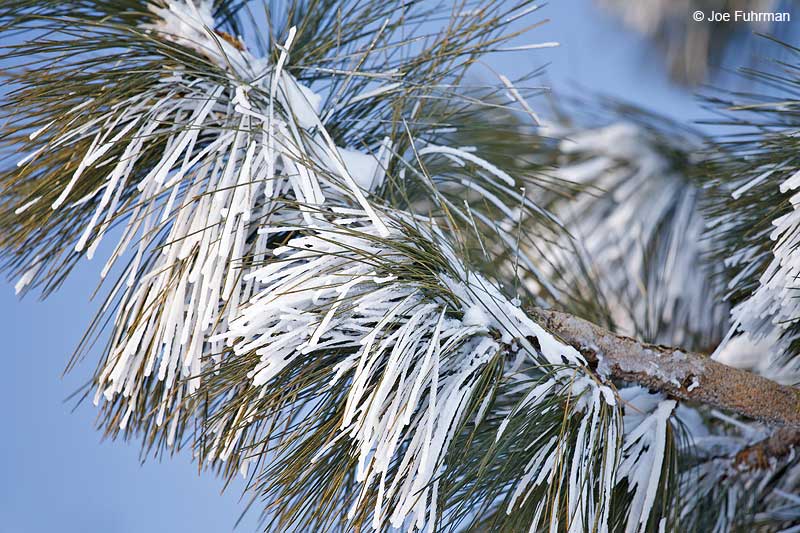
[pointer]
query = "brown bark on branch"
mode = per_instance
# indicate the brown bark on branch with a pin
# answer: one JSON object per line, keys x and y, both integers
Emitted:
{"x": 776, "y": 446}
{"x": 683, "y": 375}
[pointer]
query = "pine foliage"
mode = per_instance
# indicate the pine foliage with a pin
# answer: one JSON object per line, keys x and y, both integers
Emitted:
{"x": 325, "y": 245}
{"x": 635, "y": 256}
{"x": 755, "y": 222}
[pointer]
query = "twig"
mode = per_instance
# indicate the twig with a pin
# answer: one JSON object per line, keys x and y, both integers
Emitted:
{"x": 777, "y": 446}
{"x": 683, "y": 375}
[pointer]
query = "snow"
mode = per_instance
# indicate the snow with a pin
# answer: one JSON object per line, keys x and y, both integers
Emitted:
{"x": 643, "y": 451}
{"x": 641, "y": 230}
{"x": 475, "y": 315}
{"x": 531, "y": 46}
{"x": 422, "y": 361}
{"x": 461, "y": 154}
{"x": 365, "y": 168}
{"x": 28, "y": 276}
{"x": 191, "y": 25}
{"x": 238, "y": 176}
{"x": 761, "y": 330}
{"x": 215, "y": 196}
{"x": 299, "y": 100}
{"x": 24, "y": 207}
{"x": 413, "y": 363}
{"x": 515, "y": 95}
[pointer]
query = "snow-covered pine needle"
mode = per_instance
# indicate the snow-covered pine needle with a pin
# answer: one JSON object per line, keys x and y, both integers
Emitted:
{"x": 278, "y": 289}
{"x": 638, "y": 232}
{"x": 296, "y": 292}
{"x": 755, "y": 227}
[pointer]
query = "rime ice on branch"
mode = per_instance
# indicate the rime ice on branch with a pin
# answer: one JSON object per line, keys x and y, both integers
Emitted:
{"x": 295, "y": 296}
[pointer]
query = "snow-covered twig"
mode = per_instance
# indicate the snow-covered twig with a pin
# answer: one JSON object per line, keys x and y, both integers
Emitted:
{"x": 684, "y": 375}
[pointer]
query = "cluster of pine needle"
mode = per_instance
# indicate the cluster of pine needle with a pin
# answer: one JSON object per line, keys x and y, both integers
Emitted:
{"x": 321, "y": 241}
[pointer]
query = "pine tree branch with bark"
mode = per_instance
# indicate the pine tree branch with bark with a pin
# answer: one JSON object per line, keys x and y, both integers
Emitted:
{"x": 326, "y": 249}
{"x": 677, "y": 373}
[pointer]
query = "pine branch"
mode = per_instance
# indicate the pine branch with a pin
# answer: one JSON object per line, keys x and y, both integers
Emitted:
{"x": 683, "y": 375}
{"x": 634, "y": 260}
{"x": 778, "y": 445}
{"x": 303, "y": 304}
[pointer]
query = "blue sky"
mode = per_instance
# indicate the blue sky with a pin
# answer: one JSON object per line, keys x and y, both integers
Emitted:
{"x": 57, "y": 473}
